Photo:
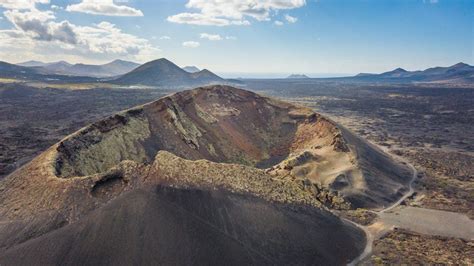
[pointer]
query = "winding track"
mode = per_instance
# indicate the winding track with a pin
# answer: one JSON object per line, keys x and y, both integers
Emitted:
{"x": 370, "y": 237}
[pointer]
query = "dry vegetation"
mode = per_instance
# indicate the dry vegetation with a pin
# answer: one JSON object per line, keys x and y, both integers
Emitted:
{"x": 447, "y": 182}
{"x": 401, "y": 247}
{"x": 360, "y": 216}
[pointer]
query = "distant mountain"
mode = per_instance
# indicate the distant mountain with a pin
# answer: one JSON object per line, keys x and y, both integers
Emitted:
{"x": 364, "y": 74}
{"x": 191, "y": 69}
{"x": 162, "y": 72}
{"x": 60, "y": 67}
{"x": 13, "y": 71}
{"x": 297, "y": 76}
{"x": 114, "y": 68}
{"x": 205, "y": 76}
{"x": 458, "y": 73}
{"x": 32, "y": 63}
{"x": 119, "y": 67}
{"x": 396, "y": 73}
{"x": 8, "y": 70}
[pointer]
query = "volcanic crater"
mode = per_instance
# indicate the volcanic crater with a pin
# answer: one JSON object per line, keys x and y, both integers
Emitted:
{"x": 228, "y": 125}
{"x": 254, "y": 174}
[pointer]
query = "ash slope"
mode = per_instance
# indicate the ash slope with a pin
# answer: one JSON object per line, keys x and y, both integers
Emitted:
{"x": 241, "y": 155}
{"x": 183, "y": 227}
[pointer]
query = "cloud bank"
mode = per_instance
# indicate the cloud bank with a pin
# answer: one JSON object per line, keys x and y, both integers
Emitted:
{"x": 21, "y": 4}
{"x": 39, "y": 32}
{"x": 104, "y": 7}
{"x": 232, "y": 12}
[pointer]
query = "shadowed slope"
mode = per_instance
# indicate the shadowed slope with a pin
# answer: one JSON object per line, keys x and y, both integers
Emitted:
{"x": 183, "y": 227}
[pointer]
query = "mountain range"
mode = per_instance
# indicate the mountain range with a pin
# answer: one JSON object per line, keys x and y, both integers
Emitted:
{"x": 159, "y": 73}
{"x": 114, "y": 68}
{"x": 11, "y": 71}
{"x": 458, "y": 73}
{"x": 164, "y": 73}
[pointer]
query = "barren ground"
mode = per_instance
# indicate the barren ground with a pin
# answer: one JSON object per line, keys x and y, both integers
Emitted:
{"x": 31, "y": 120}
{"x": 432, "y": 127}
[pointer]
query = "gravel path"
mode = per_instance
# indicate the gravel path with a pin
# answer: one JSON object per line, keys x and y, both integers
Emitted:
{"x": 431, "y": 222}
{"x": 370, "y": 236}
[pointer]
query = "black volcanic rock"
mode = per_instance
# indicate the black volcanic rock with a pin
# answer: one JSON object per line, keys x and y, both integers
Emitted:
{"x": 168, "y": 226}
{"x": 162, "y": 72}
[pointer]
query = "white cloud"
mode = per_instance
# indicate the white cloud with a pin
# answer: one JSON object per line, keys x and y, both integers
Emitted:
{"x": 35, "y": 30}
{"x": 21, "y": 4}
{"x": 191, "y": 44}
{"x": 198, "y": 19}
{"x": 55, "y": 7}
{"x": 278, "y": 23}
{"x": 233, "y": 38}
{"x": 164, "y": 37}
{"x": 104, "y": 7}
{"x": 211, "y": 37}
{"x": 290, "y": 19}
{"x": 106, "y": 38}
{"x": 232, "y": 12}
{"x": 39, "y": 25}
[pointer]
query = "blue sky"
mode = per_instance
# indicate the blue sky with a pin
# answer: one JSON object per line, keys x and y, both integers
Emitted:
{"x": 267, "y": 38}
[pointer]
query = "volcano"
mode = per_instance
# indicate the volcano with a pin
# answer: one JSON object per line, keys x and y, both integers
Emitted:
{"x": 164, "y": 73}
{"x": 204, "y": 176}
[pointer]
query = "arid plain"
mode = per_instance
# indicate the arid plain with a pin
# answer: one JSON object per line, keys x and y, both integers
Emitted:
{"x": 429, "y": 129}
